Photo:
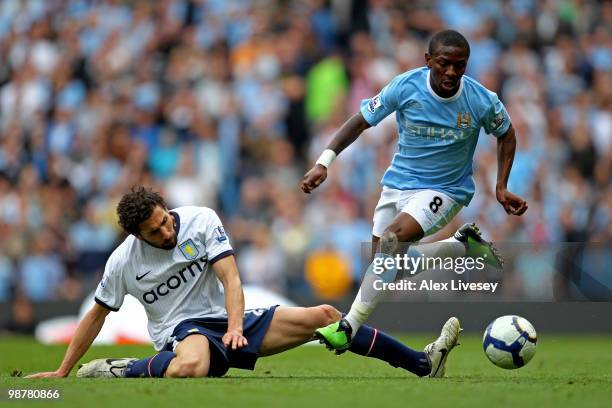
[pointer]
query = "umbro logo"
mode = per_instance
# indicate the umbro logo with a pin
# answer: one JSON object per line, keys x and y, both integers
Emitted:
{"x": 139, "y": 277}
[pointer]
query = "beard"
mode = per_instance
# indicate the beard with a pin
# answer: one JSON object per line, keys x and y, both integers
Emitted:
{"x": 166, "y": 246}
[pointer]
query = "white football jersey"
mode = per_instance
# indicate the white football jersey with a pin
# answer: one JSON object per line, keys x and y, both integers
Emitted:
{"x": 172, "y": 285}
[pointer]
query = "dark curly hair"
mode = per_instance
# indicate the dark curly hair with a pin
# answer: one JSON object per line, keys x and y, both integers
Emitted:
{"x": 136, "y": 207}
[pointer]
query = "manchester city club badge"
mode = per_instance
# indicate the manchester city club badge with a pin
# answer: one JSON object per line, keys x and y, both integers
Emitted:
{"x": 189, "y": 249}
{"x": 464, "y": 120}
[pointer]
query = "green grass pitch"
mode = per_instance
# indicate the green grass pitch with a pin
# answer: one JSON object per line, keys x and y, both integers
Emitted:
{"x": 566, "y": 371}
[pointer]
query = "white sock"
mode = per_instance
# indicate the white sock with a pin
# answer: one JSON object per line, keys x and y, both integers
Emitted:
{"x": 446, "y": 248}
{"x": 366, "y": 300}
{"x": 359, "y": 313}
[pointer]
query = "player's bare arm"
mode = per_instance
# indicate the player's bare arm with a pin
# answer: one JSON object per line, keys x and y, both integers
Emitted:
{"x": 347, "y": 134}
{"x": 506, "y": 146}
{"x": 227, "y": 272}
{"x": 86, "y": 332}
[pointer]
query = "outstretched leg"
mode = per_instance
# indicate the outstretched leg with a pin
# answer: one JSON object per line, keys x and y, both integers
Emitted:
{"x": 292, "y": 326}
{"x": 371, "y": 342}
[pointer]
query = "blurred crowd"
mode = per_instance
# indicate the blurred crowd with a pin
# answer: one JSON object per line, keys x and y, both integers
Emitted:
{"x": 226, "y": 104}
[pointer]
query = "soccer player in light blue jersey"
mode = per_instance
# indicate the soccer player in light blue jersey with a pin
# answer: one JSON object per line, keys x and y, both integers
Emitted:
{"x": 439, "y": 114}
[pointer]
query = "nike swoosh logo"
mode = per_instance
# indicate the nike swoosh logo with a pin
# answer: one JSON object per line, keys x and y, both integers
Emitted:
{"x": 139, "y": 277}
{"x": 110, "y": 361}
{"x": 119, "y": 368}
{"x": 443, "y": 352}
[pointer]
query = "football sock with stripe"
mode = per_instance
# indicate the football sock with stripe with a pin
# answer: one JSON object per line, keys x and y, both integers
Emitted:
{"x": 154, "y": 366}
{"x": 371, "y": 342}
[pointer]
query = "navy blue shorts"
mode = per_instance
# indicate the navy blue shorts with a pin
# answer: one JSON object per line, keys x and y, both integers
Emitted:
{"x": 255, "y": 326}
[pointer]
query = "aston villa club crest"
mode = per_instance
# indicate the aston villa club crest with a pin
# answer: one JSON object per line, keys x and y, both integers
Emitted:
{"x": 189, "y": 250}
{"x": 464, "y": 120}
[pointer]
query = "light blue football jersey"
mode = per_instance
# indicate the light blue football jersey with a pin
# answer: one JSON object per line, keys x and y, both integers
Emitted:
{"x": 437, "y": 136}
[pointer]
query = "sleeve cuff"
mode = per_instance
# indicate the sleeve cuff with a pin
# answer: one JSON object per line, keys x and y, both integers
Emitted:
{"x": 222, "y": 255}
{"x": 502, "y": 133}
{"x": 371, "y": 121}
{"x": 104, "y": 305}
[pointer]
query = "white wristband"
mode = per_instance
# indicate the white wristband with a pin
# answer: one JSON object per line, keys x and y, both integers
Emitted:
{"x": 326, "y": 158}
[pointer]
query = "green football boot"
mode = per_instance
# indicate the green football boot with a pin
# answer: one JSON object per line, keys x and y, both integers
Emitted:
{"x": 336, "y": 336}
{"x": 477, "y": 247}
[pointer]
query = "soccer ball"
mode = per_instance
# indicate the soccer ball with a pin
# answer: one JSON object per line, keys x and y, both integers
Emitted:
{"x": 509, "y": 342}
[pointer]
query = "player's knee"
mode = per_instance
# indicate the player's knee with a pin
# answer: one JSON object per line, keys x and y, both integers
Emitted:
{"x": 328, "y": 315}
{"x": 188, "y": 367}
{"x": 389, "y": 242}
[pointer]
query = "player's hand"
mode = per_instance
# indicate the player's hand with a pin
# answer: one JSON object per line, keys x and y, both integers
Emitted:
{"x": 48, "y": 374}
{"x": 313, "y": 178}
{"x": 512, "y": 203}
{"x": 234, "y": 339}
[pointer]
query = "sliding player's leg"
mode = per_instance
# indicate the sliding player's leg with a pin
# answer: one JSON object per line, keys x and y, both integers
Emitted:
{"x": 191, "y": 358}
{"x": 371, "y": 342}
{"x": 154, "y": 366}
{"x": 196, "y": 350}
{"x": 292, "y": 326}
{"x": 194, "y": 355}
{"x": 105, "y": 368}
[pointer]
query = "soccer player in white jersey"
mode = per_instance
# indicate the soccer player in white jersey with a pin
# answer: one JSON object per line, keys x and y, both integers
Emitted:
{"x": 439, "y": 114}
{"x": 179, "y": 264}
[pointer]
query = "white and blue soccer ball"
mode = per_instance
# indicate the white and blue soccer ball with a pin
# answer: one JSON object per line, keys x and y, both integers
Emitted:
{"x": 510, "y": 342}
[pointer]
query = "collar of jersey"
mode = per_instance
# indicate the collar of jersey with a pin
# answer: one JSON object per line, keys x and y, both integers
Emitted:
{"x": 438, "y": 97}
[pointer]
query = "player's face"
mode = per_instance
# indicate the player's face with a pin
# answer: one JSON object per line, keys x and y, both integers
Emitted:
{"x": 158, "y": 230}
{"x": 447, "y": 65}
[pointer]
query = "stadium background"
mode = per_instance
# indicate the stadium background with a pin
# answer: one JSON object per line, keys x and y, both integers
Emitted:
{"x": 227, "y": 103}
